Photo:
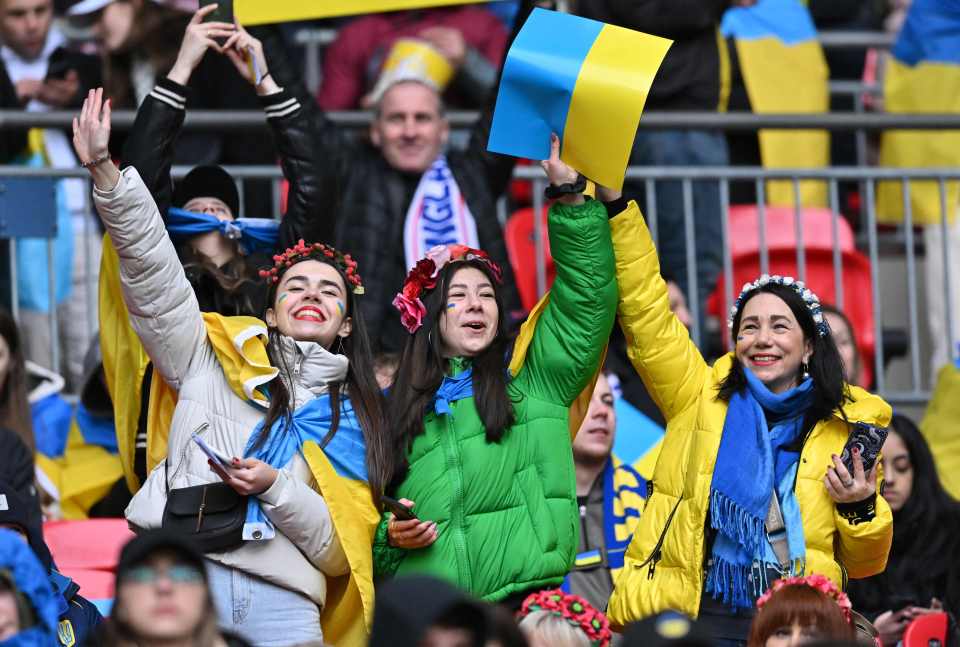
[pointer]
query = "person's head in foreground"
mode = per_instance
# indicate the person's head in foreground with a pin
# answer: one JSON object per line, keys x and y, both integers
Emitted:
{"x": 800, "y": 610}
{"x": 782, "y": 338}
{"x": 667, "y": 629}
{"x": 14, "y": 406}
{"x": 28, "y": 604}
{"x": 557, "y": 619}
{"x": 845, "y": 338}
{"x": 410, "y": 125}
{"x": 423, "y": 611}
{"x": 162, "y": 595}
{"x": 594, "y": 441}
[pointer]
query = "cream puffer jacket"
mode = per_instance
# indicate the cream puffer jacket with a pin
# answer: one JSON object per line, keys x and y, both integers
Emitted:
{"x": 165, "y": 315}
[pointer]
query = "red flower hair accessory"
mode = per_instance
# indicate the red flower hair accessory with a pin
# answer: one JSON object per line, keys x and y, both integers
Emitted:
{"x": 423, "y": 277}
{"x": 572, "y": 608}
{"x": 816, "y": 581}
{"x": 301, "y": 252}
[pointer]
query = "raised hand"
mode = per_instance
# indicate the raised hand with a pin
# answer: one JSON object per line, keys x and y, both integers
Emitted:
{"x": 91, "y": 136}
{"x": 197, "y": 39}
{"x": 558, "y": 172}
{"x": 449, "y": 41}
{"x": 850, "y": 488}
{"x": 246, "y": 54}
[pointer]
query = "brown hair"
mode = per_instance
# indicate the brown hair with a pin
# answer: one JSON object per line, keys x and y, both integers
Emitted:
{"x": 14, "y": 406}
{"x": 804, "y": 605}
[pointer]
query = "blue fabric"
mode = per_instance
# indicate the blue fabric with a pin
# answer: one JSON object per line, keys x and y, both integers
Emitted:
{"x": 617, "y": 549}
{"x": 347, "y": 450}
{"x": 30, "y": 578}
{"x": 51, "y": 418}
{"x": 930, "y": 33}
{"x": 255, "y": 234}
{"x": 83, "y": 615}
{"x": 643, "y": 433}
{"x": 458, "y": 387}
{"x": 538, "y": 81}
{"x": 97, "y": 430}
{"x": 752, "y": 460}
{"x": 788, "y": 20}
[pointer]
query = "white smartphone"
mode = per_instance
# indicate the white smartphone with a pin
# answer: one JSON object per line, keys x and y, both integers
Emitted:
{"x": 217, "y": 457}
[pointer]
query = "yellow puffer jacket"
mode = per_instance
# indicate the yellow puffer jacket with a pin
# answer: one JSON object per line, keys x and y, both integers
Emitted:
{"x": 664, "y": 562}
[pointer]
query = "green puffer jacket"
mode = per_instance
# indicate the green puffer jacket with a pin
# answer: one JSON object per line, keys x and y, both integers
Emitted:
{"x": 506, "y": 512}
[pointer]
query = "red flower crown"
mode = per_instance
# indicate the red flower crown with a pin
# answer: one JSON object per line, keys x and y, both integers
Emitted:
{"x": 301, "y": 252}
{"x": 816, "y": 581}
{"x": 572, "y": 608}
{"x": 423, "y": 277}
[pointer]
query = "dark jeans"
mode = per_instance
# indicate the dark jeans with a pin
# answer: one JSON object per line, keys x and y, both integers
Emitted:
{"x": 684, "y": 148}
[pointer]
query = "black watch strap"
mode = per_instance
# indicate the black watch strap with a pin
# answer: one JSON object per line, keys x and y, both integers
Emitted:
{"x": 552, "y": 192}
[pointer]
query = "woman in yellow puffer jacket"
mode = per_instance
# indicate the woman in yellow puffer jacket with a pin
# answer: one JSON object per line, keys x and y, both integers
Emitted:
{"x": 771, "y": 417}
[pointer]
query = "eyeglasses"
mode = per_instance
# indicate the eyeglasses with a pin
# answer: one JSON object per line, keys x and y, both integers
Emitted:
{"x": 178, "y": 574}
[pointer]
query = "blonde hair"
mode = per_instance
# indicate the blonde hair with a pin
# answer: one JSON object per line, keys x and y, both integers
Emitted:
{"x": 553, "y": 629}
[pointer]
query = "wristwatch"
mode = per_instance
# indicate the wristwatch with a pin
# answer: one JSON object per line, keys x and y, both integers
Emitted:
{"x": 552, "y": 192}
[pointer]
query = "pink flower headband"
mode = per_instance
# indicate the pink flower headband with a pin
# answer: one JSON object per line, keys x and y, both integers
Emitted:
{"x": 816, "y": 581}
{"x": 301, "y": 252}
{"x": 423, "y": 277}
{"x": 572, "y": 608}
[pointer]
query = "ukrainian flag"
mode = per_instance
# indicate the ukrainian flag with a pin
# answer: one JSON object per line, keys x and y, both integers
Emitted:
{"x": 784, "y": 70}
{"x": 585, "y": 80}
{"x": 922, "y": 75}
{"x": 259, "y": 12}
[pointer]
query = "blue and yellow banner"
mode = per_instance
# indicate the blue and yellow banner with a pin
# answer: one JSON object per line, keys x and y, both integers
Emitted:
{"x": 585, "y": 80}
{"x": 922, "y": 75}
{"x": 259, "y": 12}
{"x": 784, "y": 71}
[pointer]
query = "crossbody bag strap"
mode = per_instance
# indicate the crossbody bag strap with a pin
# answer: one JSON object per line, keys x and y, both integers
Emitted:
{"x": 777, "y": 533}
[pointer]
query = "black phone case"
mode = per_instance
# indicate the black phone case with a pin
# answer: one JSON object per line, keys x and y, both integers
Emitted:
{"x": 400, "y": 511}
{"x": 868, "y": 440}
{"x": 223, "y": 13}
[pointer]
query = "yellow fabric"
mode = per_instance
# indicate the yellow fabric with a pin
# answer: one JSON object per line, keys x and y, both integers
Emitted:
{"x": 648, "y": 462}
{"x": 607, "y": 101}
{"x": 260, "y": 12}
{"x": 414, "y": 56}
{"x": 930, "y": 88}
{"x": 578, "y": 409}
{"x": 685, "y": 387}
{"x": 725, "y": 77}
{"x": 940, "y": 428}
{"x": 347, "y": 616}
{"x": 783, "y": 78}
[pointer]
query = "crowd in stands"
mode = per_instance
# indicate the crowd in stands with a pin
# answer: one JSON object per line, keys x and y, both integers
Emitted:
{"x": 345, "y": 426}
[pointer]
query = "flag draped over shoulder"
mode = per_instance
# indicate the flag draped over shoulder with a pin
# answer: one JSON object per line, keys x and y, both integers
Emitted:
{"x": 922, "y": 76}
{"x": 784, "y": 70}
{"x": 939, "y": 427}
{"x": 240, "y": 346}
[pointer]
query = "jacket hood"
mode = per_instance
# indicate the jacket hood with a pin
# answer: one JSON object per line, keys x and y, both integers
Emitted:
{"x": 30, "y": 580}
{"x": 21, "y": 510}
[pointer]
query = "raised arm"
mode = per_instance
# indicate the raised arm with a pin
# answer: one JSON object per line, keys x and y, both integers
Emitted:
{"x": 163, "y": 309}
{"x": 572, "y": 332}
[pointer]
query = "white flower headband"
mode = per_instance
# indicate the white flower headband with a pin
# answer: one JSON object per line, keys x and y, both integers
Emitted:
{"x": 811, "y": 300}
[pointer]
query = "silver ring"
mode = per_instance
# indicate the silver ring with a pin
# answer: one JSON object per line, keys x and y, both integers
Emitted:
{"x": 848, "y": 484}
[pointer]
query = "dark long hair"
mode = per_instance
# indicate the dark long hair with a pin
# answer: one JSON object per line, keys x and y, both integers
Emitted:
{"x": 14, "y": 406}
{"x": 230, "y": 289}
{"x": 825, "y": 365}
{"x": 925, "y": 556}
{"x": 422, "y": 367}
{"x": 361, "y": 387}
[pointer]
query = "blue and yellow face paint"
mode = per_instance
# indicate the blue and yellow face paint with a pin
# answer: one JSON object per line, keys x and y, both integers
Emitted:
{"x": 340, "y": 309}
{"x": 590, "y": 91}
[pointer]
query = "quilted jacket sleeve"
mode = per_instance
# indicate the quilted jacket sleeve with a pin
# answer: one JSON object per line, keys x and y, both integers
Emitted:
{"x": 163, "y": 308}
{"x": 572, "y": 332}
{"x": 658, "y": 345}
{"x": 386, "y": 558}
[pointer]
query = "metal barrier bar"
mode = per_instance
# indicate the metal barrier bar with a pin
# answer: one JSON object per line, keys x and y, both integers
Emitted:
{"x": 837, "y": 254}
{"x": 947, "y": 284}
{"x": 875, "y": 283}
{"x": 836, "y": 39}
{"x": 762, "y": 228}
{"x": 652, "y": 210}
{"x": 14, "y": 288}
{"x": 690, "y": 236}
{"x": 52, "y": 304}
{"x": 727, "y": 255}
{"x": 798, "y": 231}
{"x": 538, "y": 236}
{"x": 911, "y": 286}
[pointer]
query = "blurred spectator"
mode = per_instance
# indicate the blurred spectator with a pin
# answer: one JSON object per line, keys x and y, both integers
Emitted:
{"x": 667, "y": 629}
{"x": 923, "y": 571}
{"x": 845, "y": 338}
{"x": 691, "y": 77}
{"x": 14, "y": 406}
{"x": 28, "y": 606}
{"x": 41, "y": 75}
{"x": 557, "y": 619}
{"x": 78, "y": 618}
{"x": 140, "y": 40}
{"x": 424, "y": 611}
{"x": 162, "y": 596}
{"x": 610, "y": 497}
{"x": 800, "y": 610}
{"x": 471, "y": 38}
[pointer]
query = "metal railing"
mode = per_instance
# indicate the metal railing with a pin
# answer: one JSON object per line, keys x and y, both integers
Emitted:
{"x": 911, "y": 388}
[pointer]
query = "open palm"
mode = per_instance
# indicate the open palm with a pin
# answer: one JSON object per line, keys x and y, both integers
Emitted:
{"x": 91, "y": 130}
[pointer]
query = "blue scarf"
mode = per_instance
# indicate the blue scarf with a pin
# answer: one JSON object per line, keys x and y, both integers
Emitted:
{"x": 453, "y": 388}
{"x": 97, "y": 430}
{"x": 753, "y": 460}
{"x": 254, "y": 234}
{"x": 347, "y": 450}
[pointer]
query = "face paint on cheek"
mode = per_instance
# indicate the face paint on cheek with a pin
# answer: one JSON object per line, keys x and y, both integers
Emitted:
{"x": 282, "y": 297}
{"x": 451, "y": 306}
{"x": 740, "y": 338}
{"x": 340, "y": 308}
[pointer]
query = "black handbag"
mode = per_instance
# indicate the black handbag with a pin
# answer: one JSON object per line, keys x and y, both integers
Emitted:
{"x": 211, "y": 515}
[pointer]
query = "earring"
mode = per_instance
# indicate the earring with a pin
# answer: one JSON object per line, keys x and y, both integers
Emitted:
{"x": 339, "y": 345}
{"x": 804, "y": 370}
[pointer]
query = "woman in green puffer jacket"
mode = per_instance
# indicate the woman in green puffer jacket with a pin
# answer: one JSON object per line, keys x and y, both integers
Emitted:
{"x": 487, "y": 454}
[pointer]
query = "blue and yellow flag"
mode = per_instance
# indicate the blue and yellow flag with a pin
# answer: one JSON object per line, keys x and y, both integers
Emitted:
{"x": 784, "y": 70}
{"x": 259, "y": 12}
{"x": 922, "y": 75}
{"x": 582, "y": 79}
{"x": 939, "y": 427}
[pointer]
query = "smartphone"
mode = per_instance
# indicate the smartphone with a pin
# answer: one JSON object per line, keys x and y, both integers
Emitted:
{"x": 223, "y": 12}
{"x": 868, "y": 440}
{"x": 400, "y": 511}
{"x": 218, "y": 460}
{"x": 59, "y": 64}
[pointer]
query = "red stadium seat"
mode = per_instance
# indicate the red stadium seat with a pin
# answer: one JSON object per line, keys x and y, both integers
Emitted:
{"x": 522, "y": 252}
{"x": 87, "y": 545}
{"x": 927, "y": 631}
{"x": 95, "y": 585}
{"x": 818, "y": 241}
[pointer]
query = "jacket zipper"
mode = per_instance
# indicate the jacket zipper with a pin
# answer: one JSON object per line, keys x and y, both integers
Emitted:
{"x": 183, "y": 452}
{"x": 656, "y": 554}
{"x": 451, "y": 447}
